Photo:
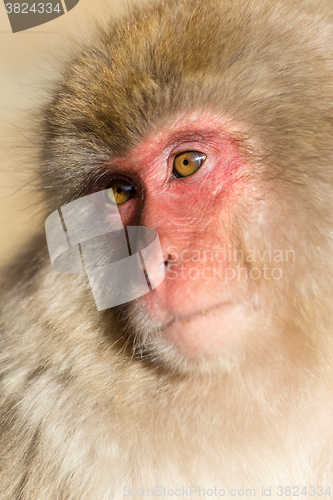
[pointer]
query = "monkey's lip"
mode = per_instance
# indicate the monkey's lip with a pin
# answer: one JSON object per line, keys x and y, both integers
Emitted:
{"x": 168, "y": 312}
{"x": 205, "y": 311}
{"x": 206, "y": 331}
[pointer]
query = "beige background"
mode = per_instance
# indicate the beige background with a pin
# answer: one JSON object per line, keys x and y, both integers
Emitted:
{"x": 28, "y": 60}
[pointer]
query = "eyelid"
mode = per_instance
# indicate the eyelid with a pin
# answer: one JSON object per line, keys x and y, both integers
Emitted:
{"x": 182, "y": 147}
{"x": 117, "y": 176}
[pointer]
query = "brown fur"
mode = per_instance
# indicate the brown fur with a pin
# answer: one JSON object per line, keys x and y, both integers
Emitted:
{"x": 81, "y": 416}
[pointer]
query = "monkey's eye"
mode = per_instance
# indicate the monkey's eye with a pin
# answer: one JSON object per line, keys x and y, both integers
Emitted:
{"x": 187, "y": 163}
{"x": 122, "y": 192}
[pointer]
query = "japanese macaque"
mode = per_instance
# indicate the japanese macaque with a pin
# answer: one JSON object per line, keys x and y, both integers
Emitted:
{"x": 210, "y": 122}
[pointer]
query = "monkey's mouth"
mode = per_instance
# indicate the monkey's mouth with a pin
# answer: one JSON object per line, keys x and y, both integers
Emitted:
{"x": 204, "y": 331}
{"x": 197, "y": 314}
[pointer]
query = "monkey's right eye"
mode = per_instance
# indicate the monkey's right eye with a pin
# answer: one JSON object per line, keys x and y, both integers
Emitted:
{"x": 119, "y": 192}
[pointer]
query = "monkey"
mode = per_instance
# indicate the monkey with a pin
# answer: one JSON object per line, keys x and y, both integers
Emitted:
{"x": 209, "y": 122}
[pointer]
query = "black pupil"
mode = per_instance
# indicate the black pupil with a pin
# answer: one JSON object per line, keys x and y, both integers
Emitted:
{"x": 119, "y": 190}
{"x": 185, "y": 162}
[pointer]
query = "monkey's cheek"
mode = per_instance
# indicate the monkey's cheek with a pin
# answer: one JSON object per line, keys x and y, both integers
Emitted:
{"x": 210, "y": 331}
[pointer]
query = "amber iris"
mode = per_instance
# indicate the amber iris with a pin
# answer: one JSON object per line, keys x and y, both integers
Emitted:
{"x": 121, "y": 190}
{"x": 187, "y": 163}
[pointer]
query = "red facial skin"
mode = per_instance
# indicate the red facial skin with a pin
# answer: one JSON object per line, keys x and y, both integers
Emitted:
{"x": 200, "y": 311}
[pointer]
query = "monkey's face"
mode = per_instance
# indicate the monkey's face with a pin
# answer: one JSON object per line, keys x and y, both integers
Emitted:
{"x": 193, "y": 183}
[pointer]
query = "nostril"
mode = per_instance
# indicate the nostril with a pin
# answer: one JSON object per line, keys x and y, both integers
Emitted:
{"x": 166, "y": 262}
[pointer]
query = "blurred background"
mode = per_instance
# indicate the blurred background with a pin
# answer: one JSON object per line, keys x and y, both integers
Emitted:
{"x": 28, "y": 62}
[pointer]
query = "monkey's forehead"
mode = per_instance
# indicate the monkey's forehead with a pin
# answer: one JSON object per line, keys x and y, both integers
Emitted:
{"x": 237, "y": 59}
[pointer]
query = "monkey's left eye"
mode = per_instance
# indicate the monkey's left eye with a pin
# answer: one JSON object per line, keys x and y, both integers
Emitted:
{"x": 187, "y": 163}
{"x": 122, "y": 192}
